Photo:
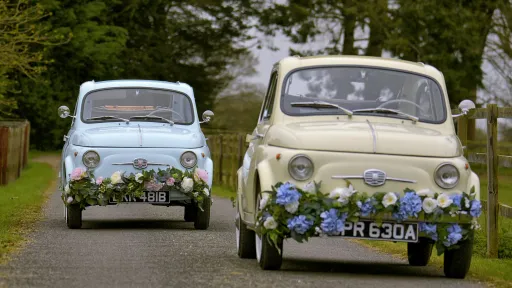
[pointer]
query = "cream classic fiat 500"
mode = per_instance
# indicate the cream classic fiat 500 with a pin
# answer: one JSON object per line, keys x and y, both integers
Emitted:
{"x": 358, "y": 147}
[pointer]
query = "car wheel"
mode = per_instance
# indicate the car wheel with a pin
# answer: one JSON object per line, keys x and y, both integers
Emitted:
{"x": 457, "y": 261}
{"x": 268, "y": 256}
{"x": 245, "y": 241}
{"x": 419, "y": 253}
{"x": 202, "y": 221}
{"x": 190, "y": 212}
{"x": 74, "y": 216}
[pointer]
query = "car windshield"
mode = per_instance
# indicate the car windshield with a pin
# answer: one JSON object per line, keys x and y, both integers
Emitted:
{"x": 363, "y": 91}
{"x": 137, "y": 104}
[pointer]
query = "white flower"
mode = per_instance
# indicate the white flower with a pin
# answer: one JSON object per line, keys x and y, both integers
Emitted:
{"x": 425, "y": 192}
{"x": 206, "y": 191}
{"x": 389, "y": 199}
{"x": 195, "y": 194}
{"x": 187, "y": 184}
{"x": 116, "y": 178}
{"x": 310, "y": 188}
{"x": 66, "y": 188}
{"x": 342, "y": 194}
{"x": 444, "y": 200}
{"x": 69, "y": 200}
{"x": 265, "y": 197}
{"x": 138, "y": 177}
{"x": 292, "y": 207}
{"x": 429, "y": 204}
{"x": 474, "y": 224}
{"x": 466, "y": 201}
{"x": 270, "y": 223}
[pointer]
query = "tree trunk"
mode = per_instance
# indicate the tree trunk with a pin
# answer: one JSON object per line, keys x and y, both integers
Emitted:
{"x": 378, "y": 20}
{"x": 349, "y": 25}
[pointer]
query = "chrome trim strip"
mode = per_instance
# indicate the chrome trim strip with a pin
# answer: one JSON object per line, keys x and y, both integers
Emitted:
{"x": 373, "y": 135}
{"x": 140, "y": 135}
{"x": 131, "y": 163}
{"x": 362, "y": 177}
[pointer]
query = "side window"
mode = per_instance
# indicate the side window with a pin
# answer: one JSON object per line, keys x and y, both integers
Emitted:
{"x": 269, "y": 98}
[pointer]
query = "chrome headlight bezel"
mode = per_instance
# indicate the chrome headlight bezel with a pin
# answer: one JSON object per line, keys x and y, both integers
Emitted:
{"x": 292, "y": 170}
{"x": 89, "y": 164}
{"x": 439, "y": 179}
{"x": 183, "y": 161}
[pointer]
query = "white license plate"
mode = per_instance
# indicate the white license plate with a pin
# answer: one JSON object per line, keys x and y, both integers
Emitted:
{"x": 147, "y": 197}
{"x": 405, "y": 232}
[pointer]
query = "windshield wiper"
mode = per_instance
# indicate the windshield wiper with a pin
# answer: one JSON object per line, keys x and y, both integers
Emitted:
{"x": 108, "y": 117}
{"x": 322, "y": 104}
{"x": 386, "y": 110}
{"x": 152, "y": 117}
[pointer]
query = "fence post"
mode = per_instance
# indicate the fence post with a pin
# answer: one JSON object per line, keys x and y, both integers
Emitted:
{"x": 220, "y": 153}
{"x": 4, "y": 149}
{"x": 462, "y": 132}
{"x": 492, "y": 187}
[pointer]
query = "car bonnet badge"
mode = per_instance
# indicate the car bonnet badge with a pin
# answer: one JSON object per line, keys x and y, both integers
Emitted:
{"x": 140, "y": 163}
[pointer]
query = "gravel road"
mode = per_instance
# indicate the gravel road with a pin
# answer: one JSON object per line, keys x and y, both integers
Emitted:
{"x": 148, "y": 246}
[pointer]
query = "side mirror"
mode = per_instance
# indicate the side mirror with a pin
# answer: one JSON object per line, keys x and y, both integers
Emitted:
{"x": 465, "y": 106}
{"x": 63, "y": 111}
{"x": 207, "y": 116}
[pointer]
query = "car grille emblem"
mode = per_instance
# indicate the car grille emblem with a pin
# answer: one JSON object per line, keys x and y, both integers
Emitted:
{"x": 374, "y": 177}
{"x": 140, "y": 163}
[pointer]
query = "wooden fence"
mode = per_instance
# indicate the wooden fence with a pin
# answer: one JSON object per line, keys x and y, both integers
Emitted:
{"x": 228, "y": 152}
{"x": 14, "y": 145}
{"x": 491, "y": 158}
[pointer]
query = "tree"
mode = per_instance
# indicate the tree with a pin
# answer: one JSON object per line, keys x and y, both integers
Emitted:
{"x": 20, "y": 32}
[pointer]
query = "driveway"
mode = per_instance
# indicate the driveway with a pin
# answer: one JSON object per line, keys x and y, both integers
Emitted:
{"x": 149, "y": 246}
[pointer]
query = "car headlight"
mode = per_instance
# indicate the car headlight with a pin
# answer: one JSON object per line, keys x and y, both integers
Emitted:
{"x": 188, "y": 159}
{"x": 447, "y": 176}
{"x": 300, "y": 167}
{"x": 91, "y": 159}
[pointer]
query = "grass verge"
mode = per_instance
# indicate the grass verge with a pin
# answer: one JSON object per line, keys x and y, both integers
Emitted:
{"x": 223, "y": 192}
{"x": 20, "y": 205}
{"x": 494, "y": 271}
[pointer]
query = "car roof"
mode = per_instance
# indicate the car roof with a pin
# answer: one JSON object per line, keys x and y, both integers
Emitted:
{"x": 88, "y": 86}
{"x": 296, "y": 62}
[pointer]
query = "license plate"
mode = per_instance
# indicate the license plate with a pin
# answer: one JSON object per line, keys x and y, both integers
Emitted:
{"x": 147, "y": 197}
{"x": 405, "y": 232}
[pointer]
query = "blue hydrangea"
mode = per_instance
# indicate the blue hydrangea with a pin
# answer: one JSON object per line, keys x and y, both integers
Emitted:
{"x": 331, "y": 223}
{"x": 455, "y": 234}
{"x": 476, "y": 208}
{"x": 367, "y": 207}
{"x": 300, "y": 224}
{"x": 430, "y": 230}
{"x": 456, "y": 198}
{"x": 410, "y": 206}
{"x": 287, "y": 194}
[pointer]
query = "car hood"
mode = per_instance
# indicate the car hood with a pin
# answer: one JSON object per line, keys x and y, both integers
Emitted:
{"x": 360, "y": 137}
{"x": 138, "y": 137}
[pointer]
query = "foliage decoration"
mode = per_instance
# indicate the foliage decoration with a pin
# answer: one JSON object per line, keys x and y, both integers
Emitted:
{"x": 85, "y": 189}
{"x": 290, "y": 212}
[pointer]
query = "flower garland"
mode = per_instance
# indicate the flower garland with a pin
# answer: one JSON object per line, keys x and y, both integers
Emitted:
{"x": 290, "y": 212}
{"x": 84, "y": 189}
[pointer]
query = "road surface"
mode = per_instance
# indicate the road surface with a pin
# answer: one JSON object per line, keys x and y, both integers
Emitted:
{"x": 141, "y": 245}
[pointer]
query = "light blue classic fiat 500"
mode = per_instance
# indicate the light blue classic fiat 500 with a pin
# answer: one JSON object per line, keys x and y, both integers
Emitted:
{"x": 133, "y": 142}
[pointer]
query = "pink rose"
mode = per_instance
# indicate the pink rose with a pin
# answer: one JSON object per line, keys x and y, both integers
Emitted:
{"x": 77, "y": 174}
{"x": 201, "y": 174}
{"x": 153, "y": 186}
{"x": 170, "y": 181}
{"x": 99, "y": 180}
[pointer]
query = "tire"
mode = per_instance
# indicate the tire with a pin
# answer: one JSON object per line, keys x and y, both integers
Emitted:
{"x": 245, "y": 241}
{"x": 202, "y": 221}
{"x": 419, "y": 253}
{"x": 267, "y": 255}
{"x": 458, "y": 261}
{"x": 190, "y": 213}
{"x": 74, "y": 217}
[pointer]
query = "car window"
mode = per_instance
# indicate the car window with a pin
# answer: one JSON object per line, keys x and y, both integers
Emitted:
{"x": 363, "y": 88}
{"x": 269, "y": 98}
{"x": 131, "y": 102}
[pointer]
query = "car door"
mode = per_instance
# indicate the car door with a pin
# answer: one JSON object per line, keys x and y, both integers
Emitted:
{"x": 251, "y": 158}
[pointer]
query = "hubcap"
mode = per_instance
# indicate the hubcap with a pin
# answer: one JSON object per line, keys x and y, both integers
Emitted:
{"x": 258, "y": 247}
{"x": 237, "y": 232}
